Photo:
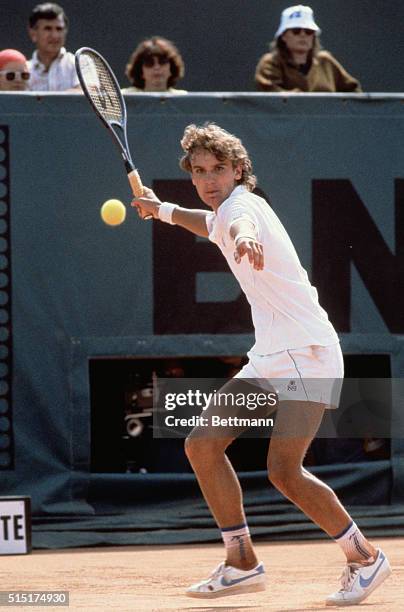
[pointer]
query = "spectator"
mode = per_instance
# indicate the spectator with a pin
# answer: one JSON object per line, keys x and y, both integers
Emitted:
{"x": 52, "y": 67}
{"x": 14, "y": 72}
{"x": 296, "y": 62}
{"x": 155, "y": 65}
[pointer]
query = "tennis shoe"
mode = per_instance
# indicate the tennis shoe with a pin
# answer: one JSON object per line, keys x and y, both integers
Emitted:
{"x": 227, "y": 580}
{"x": 358, "y": 581}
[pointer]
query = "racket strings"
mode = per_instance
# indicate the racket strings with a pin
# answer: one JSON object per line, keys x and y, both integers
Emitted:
{"x": 101, "y": 87}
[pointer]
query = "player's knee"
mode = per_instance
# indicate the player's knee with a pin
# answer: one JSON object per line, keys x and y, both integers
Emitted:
{"x": 283, "y": 475}
{"x": 197, "y": 449}
{"x": 204, "y": 450}
{"x": 191, "y": 448}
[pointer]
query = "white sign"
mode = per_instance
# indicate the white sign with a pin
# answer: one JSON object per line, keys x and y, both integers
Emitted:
{"x": 15, "y": 526}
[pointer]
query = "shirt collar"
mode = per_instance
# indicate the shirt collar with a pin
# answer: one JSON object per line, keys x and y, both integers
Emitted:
{"x": 37, "y": 62}
{"x": 236, "y": 191}
{"x": 314, "y": 62}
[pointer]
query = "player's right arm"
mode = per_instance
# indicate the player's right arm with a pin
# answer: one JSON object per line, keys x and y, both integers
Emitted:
{"x": 193, "y": 220}
{"x": 190, "y": 219}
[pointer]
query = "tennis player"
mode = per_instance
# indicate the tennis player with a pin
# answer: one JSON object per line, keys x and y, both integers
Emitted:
{"x": 294, "y": 341}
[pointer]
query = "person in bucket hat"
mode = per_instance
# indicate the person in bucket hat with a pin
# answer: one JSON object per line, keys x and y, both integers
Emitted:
{"x": 296, "y": 61}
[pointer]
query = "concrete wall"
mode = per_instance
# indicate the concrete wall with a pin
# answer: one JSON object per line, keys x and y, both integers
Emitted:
{"x": 72, "y": 288}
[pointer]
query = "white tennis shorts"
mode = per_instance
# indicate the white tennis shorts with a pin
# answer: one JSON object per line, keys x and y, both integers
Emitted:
{"x": 308, "y": 374}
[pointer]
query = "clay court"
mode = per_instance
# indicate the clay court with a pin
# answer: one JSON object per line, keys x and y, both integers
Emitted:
{"x": 153, "y": 578}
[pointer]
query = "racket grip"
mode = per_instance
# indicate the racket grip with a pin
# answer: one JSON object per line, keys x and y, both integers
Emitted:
{"x": 137, "y": 187}
{"x": 135, "y": 183}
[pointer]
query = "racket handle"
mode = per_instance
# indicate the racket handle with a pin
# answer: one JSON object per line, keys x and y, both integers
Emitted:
{"x": 135, "y": 183}
{"x": 137, "y": 187}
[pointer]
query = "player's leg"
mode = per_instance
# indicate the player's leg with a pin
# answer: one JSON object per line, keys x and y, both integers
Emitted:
{"x": 205, "y": 449}
{"x": 222, "y": 492}
{"x": 318, "y": 371}
{"x": 286, "y": 471}
{"x": 366, "y": 566}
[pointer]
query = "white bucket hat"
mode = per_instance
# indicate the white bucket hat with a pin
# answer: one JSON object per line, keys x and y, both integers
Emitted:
{"x": 297, "y": 17}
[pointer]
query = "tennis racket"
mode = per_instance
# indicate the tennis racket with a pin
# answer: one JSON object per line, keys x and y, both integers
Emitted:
{"x": 103, "y": 92}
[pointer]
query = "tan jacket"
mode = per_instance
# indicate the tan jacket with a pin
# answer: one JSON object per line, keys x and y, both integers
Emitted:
{"x": 273, "y": 73}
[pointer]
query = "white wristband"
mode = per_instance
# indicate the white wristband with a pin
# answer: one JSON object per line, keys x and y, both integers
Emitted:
{"x": 241, "y": 235}
{"x": 166, "y": 210}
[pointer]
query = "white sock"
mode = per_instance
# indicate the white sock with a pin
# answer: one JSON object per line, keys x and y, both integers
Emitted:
{"x": 353, "y": 543}
{"x": 236, "y": 536}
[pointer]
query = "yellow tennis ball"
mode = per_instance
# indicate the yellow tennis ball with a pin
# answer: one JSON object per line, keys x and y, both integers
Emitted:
{"x": 113, "y": 212}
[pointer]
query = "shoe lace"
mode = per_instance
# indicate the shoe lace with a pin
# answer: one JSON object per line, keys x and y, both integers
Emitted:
{"x": 216, "y": 572}
{"x": 349, "y": 575}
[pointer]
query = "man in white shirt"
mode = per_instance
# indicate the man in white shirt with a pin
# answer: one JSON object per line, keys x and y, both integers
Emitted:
{"x": 294, "y": 340}
{"x": 52, "y": 67}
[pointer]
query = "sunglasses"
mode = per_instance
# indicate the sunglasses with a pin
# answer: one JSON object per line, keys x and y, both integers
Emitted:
{"x": 150, "y": 61}
{"x": 297, "y": 31}
{"x": 11, "y": 75}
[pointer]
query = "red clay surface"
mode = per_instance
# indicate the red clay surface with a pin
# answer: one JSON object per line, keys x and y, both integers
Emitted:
{"x": 142, "y": 579}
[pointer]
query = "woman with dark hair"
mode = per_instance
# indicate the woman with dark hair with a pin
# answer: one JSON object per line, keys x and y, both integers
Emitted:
{"x": 155, "y": 65}
{"x": 297, "y": 63}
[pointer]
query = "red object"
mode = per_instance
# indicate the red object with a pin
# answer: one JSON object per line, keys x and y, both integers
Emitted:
{"x": 11, "y": 55}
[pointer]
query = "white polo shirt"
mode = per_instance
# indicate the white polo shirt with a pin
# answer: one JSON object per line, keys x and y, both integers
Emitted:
{"x": 284, "y": 305}
{"x": 60, "y": 76}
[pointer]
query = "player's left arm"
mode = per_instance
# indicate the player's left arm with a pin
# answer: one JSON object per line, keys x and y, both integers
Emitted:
{"x": 246, "y": 242}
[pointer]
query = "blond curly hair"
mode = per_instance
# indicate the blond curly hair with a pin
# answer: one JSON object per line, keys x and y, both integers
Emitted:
{"x": 222, "y": 145}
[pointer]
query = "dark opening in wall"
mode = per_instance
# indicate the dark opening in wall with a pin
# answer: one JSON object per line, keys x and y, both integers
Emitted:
{"x": 121, "y": 416}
